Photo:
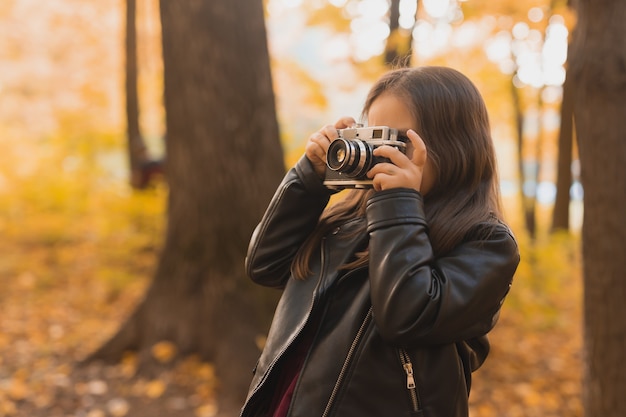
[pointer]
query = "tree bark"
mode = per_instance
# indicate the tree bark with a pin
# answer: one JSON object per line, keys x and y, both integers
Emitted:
{"x": 224, "y": 163}
{"x": 598, "y": 68}
{"x": 527, "y": 202}
{"x": 560, "y": 214}
{"x": 136, "y": 146}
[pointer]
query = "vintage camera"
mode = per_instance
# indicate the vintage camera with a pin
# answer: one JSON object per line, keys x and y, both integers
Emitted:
{"x": 350, "y": 156}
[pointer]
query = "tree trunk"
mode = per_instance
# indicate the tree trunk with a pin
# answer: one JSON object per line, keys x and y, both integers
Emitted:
{"x": 136, "y": 146}
{"x": 398, "y": 49}
{"x": 224, "y": 163}
{"x": 527, "y": 202}
{"x": 598, "y": 68}
{"x": 538, "y": 156}
{"x": 560, "y": 215}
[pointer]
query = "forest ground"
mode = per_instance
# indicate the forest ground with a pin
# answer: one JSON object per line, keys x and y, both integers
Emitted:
{"x": 55, "y": 311}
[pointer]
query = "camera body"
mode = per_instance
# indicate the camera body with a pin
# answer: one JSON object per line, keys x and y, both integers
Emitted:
{"x": 350, "y": 156}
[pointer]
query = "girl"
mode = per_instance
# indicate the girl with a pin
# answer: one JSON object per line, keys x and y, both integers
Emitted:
{"x": 388, "y": 295}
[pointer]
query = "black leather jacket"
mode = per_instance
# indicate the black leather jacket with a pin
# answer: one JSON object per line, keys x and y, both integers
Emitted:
{"x": 407, "y": 318}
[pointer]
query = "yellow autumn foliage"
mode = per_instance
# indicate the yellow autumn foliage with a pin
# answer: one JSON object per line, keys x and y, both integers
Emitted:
{"x": 79, "y": 247}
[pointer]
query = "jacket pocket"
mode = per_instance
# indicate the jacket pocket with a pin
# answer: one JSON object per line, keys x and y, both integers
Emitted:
{"x": 411, "y": 387}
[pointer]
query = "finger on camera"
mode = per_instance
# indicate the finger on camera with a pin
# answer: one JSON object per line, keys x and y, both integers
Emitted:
{"x": 321, "y": 140}
{"x": 315, "y": 151}
{"x": 419, "y": 147}
{"x": 329, "y": 132}
{"x": 390, "y": 152}
{"x": 381, "y": 168}
{"x": 345, "y": 122}
{"x": 377, "y": 184}
{"x": 383, "y": 181}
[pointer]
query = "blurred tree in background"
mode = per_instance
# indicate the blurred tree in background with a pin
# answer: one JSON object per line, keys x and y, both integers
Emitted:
{"x": 224, "y": 160}
{"x": 598, "y": 70}
{"x": 136, "y": 145}
{"x": 143, "y": 170}
{"x": 399, "y": 44}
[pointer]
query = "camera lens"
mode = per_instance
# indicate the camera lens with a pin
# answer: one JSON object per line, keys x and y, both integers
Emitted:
{"x": 340, "y": 155}
{"x": 349, "y": 157}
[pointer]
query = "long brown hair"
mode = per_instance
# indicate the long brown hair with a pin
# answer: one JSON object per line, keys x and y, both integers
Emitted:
{"x": 451, "y": 117}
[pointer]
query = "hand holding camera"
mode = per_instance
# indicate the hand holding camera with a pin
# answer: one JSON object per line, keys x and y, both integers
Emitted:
{"x": 404, "y": 171}
{"x": 351, "y": 156}
{"x": 318, "y": 143}
{"x": 378, "y": 157}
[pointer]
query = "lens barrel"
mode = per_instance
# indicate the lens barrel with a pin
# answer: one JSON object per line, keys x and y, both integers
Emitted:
{"x": 349, "y": 157}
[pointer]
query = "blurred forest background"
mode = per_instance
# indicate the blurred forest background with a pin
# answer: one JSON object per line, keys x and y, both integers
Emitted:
{"x": 81, "y": 232}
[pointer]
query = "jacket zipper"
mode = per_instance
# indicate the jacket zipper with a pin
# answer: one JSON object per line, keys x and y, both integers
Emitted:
{"x": 299, "y": 330}
{"x": 346, "y": 363}
{"x": 410, "y": 379}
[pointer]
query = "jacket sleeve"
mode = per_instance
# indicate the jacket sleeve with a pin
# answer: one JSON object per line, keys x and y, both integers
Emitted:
{"x": 290, "y": 217}
{"x": 420, "y": 300}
